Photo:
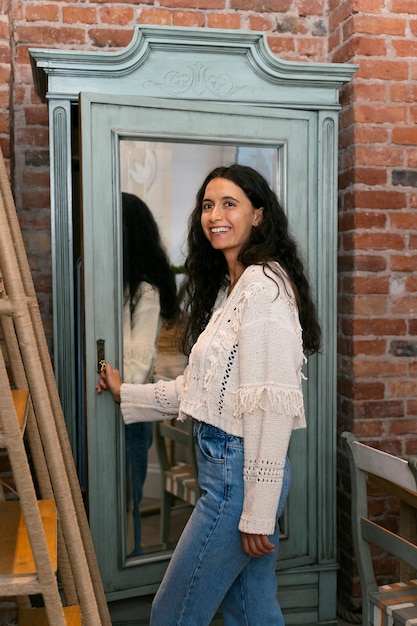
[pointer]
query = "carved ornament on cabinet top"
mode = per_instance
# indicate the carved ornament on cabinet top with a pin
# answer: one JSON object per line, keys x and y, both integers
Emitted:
{"x": 198, "y": 79}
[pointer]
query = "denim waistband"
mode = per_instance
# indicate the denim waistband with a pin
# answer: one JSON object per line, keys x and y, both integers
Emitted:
{"x": 214, "y": 431}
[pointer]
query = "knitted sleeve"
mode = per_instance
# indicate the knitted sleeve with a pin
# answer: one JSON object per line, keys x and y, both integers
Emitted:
{"x": 269, "y": 399}
{"x": 151, "y": 402}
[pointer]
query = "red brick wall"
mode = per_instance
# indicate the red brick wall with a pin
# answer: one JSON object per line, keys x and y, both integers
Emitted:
{"x": 378, "y": 176}
{"x": 377, "y": 326}
{"x": 5, "y": 78}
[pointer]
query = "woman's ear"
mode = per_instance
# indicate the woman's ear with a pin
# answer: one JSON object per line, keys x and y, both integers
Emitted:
{"x": 258, "y": 216}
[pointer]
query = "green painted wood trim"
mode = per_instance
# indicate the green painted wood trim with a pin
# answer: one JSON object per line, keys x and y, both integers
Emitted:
{"x": 64, "y": 73}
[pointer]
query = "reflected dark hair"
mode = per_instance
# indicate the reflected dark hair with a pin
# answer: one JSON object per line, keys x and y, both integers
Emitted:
{"x": 145, "y": 258}
{"x": 206, "y": 267}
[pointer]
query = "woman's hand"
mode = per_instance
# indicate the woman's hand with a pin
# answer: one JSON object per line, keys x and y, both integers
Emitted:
{"x": 256, "y": 545}
{"x": 111, "y": 380}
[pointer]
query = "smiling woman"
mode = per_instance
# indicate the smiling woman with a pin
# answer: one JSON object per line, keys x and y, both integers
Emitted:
{"x": 242, "y": 388}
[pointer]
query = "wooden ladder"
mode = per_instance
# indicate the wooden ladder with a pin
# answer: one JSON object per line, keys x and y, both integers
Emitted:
{"x": 46, "y": 548}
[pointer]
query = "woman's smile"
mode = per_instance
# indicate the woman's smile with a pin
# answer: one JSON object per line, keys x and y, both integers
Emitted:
{"x": 219, "y": 229}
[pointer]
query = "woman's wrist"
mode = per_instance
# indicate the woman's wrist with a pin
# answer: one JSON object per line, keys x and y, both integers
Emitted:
{"x": 116, "y": 394}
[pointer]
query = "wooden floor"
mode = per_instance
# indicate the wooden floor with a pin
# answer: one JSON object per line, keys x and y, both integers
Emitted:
{"x": 150, "y": 526}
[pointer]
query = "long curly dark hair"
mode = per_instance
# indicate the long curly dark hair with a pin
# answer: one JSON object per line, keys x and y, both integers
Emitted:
{"x": 145, "y": 258}
{"x": 206, "y": 267}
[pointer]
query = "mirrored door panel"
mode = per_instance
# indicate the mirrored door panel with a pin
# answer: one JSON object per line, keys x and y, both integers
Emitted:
{"x": 158, "y": 183}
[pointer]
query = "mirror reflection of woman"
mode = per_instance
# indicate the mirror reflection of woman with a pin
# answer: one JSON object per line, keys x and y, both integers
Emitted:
{"x": 251, "y": 321}
{"x": 149, "y": 299}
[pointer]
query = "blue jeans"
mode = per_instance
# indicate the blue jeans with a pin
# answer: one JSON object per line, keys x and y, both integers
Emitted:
{"x": 209, "y": 568}
{"x": 138, "y": 438}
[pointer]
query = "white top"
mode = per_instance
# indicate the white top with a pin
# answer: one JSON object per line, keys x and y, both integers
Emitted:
{"x": 140, "y": 335}
{"x": 244, "y": 376}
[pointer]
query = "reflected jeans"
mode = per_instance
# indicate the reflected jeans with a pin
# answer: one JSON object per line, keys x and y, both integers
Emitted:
{"x": 209, "y": 568}
{"x": 138, "y": 439}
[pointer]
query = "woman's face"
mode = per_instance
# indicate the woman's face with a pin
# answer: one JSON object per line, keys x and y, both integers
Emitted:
{"x": 227, "y": 216}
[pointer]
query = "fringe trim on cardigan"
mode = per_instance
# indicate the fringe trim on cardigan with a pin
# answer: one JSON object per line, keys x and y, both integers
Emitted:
{"x": 280, "y": 400}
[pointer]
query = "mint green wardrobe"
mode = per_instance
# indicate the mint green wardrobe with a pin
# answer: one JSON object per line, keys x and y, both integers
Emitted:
{"x": 193, "y": 87}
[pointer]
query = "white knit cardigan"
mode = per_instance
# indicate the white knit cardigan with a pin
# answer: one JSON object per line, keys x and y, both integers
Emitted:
{"x": 244, "y": 376}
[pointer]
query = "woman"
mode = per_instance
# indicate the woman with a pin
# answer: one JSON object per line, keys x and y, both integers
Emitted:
{"x": 250, "y": 321}
{"x": 150, "y": 299}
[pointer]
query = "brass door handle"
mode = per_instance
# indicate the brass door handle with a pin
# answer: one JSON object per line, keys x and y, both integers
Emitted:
{"x": 101, "y": 360}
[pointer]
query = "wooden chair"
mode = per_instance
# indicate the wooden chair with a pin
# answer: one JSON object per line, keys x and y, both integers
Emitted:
{"x": 396, "y": 603}
{"x": 178, "y": 477}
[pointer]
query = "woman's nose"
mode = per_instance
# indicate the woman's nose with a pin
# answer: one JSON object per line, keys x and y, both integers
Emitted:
{"x": 216, "y": 213}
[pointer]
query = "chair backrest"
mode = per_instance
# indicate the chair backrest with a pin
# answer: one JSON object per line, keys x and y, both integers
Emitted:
{"x": 179, "y": 433}
{"x": 396, "y": 477}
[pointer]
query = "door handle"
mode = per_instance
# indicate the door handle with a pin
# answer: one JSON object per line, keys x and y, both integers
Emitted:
{"x": 101, "y": 355}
